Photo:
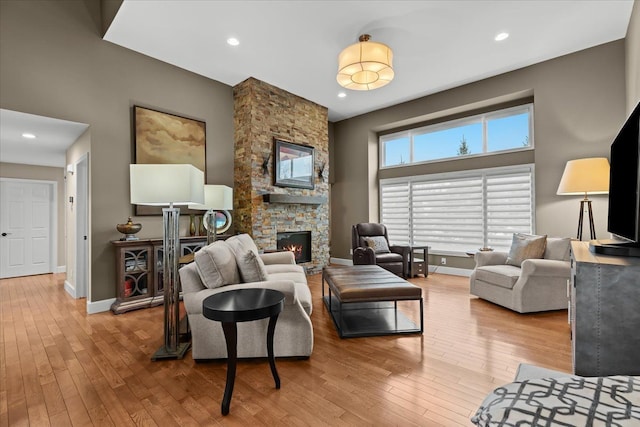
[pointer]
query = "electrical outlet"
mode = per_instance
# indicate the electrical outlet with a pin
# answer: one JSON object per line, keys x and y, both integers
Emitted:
{"x": 443, "y": 261}
{"x": 350, "y": 251}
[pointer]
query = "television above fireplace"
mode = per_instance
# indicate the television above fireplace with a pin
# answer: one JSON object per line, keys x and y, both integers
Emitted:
{"x": 293, "y": 165}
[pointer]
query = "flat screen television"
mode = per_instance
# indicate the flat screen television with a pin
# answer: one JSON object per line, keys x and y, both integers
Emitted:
{"x": 624, "y": 191}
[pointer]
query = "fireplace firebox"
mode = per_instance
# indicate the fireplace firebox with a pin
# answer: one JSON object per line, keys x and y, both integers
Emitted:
{"x": 298, "y": 242}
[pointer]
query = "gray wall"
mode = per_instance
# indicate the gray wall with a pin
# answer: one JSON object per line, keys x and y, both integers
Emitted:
{"x": 54, "y": 63}
{"x": 579, "y": 107}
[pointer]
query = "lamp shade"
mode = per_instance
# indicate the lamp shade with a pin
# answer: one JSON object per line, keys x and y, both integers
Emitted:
{"x": 585, "y": 176}
{"x": 159, "y": 185}
{"x": 216, "y": 197}
{"x": 365, "y": 65}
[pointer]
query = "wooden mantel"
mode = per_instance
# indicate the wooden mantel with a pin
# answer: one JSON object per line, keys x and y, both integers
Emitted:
{"x": 287, "y": 198}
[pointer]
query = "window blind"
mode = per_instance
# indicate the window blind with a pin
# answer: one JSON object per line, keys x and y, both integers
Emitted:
{"x": 459, "y": 211}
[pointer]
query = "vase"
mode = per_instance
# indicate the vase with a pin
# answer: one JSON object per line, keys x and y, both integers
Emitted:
{"x": 192, "y": 225}
{"x": 202, "y": 231}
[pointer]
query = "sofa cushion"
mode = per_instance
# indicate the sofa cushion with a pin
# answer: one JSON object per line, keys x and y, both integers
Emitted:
{"x": 558, "y": 248}
{"x": 216, "y": 265}
{"x": 526, "y": 246}
{"x": 296, "y": 274}
{"x": 504, "y": 276}
{"x": 251, "y": 267}
{"x": 390, "y": 257}
{"x": 377, "y": 243}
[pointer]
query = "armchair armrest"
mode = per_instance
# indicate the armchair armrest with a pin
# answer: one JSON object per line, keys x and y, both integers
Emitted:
{"x": 364, "y": 256}
{"x": 284, "y": 257}
{"x": 483, "y": 258}
{"x": 404, "y": 251}
{"x": 545, "y": 268}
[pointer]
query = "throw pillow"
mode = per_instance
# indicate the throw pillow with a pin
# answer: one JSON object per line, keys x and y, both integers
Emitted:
{"x": 558, "y": 248}
{"x": 526, "y": 246}
{"x": 378, "y": 244}
{"x": 251, "y": 268}
{"x": 216, "y": 265}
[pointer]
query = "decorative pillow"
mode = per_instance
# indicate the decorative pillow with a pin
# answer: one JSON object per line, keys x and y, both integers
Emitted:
{"x": 378, "y": 244}
{"x": 558, "y": 248}
{"x": 216, "y": 265}
{"x": 251, "y": 267}
{"x": 565, "y": 401}
{"x": 526, "y": 246}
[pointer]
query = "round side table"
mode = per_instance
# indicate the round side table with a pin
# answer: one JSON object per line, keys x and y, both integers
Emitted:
{"x": 243, "y": 305}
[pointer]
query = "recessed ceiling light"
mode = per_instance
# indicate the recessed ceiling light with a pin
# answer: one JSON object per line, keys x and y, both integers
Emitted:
{"x": 28, "y": 135}
{"x": 232, "y": 41}
{"x": 342, "y": 95}
{"x": 501, "y": 36}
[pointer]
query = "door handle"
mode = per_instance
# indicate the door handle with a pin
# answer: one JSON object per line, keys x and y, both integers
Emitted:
{"x": 5, "y": 234}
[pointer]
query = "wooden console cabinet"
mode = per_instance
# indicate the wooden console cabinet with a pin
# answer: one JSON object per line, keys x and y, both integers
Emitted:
{"x": 139, "y": 271}
{"x": 604, "y": 313}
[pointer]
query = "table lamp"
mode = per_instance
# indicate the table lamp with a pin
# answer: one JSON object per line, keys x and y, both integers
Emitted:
{"x": 216, "y": 198}
{"x": 172, "y": 185}
{"x": 585, "y": 176}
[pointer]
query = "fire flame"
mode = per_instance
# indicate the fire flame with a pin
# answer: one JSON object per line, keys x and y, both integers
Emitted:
{"x": 296, "y": 249}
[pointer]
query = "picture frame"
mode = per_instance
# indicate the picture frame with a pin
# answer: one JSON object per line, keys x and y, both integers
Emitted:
{"x": 164, "y": 138}
{"x": 293, "y": 165}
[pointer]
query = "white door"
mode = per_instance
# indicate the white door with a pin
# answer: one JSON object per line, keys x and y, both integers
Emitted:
{"x": 25, "y": 228}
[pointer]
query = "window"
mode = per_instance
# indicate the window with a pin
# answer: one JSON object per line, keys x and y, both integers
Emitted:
{"x": 502, "y": 130}
{"x": 459, "y": 211}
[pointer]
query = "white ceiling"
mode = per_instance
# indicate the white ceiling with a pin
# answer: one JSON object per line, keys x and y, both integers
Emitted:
{"x": 53, "y": 138}
{"x": 294, "y": 45}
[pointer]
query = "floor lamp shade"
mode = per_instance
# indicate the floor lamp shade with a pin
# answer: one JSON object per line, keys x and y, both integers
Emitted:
{"x": 158, "y": 185}
{"x": 216, "y": 198}
{"x": 161, "y": 185}
{"x": 584, "y": 177}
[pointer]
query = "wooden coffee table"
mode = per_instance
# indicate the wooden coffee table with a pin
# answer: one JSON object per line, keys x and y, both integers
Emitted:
{"x": 243, "y": 305}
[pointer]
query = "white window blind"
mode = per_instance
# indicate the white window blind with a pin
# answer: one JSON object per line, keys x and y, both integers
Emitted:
{"x": 460, "y": 211}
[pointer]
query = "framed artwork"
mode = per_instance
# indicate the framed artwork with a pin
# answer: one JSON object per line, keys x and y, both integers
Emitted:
{"x": 163, "y": 138}
{"x": 293, "y": 165}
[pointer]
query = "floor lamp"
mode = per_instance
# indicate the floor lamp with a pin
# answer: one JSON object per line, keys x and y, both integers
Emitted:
{"x": 172, "y": 185}
{"x": 216, "y": 198}
{"x": 584, "y": 177}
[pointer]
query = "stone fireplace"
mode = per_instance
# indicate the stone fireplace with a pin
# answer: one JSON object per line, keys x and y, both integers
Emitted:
{"x": 264, "y": 113}
{"x": 298, "y": 242}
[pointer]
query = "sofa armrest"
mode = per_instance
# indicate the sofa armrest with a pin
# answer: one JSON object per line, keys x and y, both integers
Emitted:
{"x": 483, "y": 258}
{"x": 193, "y": 301}
{"x": 284, "y": 257}
{"x": 190, "y": 279}
{"x": 545, "y": 268}
{"x": 364, "y": 256}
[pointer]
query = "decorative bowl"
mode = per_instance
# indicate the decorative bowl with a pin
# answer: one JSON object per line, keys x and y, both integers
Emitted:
{"x": 129, "y": 229}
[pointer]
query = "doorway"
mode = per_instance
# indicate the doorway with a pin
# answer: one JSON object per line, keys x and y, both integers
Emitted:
{"x": 27, "y": 220}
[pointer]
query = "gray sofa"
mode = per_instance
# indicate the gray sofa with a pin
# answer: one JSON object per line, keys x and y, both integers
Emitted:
{"x": 294, "y": 331}
{"x": 537, "y": 285}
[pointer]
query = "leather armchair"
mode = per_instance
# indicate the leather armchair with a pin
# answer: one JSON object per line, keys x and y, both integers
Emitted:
{"x": 396, "y": 261}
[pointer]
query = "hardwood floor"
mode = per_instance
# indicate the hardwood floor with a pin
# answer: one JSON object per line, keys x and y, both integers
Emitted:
{"x": 60, "y": 366}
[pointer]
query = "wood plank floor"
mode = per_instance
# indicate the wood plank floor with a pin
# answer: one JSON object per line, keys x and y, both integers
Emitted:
{"x": 60, "y": 366}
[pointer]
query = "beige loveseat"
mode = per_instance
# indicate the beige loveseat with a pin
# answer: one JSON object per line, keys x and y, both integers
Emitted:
{"x": 216, "y": 269}
{"x": 537, "y": 285}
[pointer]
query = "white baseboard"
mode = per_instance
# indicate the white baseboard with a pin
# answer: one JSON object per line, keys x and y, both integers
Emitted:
{"x": 99, "y": 306}
{"x": 450, "y": 270}
{"x": 61, "y": 269}
{"x": 432, "y": 268}
{"x": 340, "y": 261}
{"x": 71, "y": 290}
